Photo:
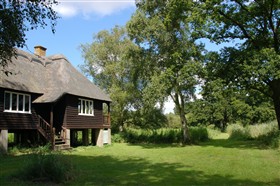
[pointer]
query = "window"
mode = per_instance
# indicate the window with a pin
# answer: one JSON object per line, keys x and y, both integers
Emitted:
{"x": 16, "y": 102}
{"x": 85, "y": 107}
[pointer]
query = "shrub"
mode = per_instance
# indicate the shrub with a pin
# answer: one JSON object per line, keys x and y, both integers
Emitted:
{"x": 198, "y": 134}
{"x": 271, "y": 139}
{"x": 212, "y": 133}
{"x": 236, "y": 131}
{"x": 118, "y": 138}
{"x": 46, "y": 166}
{"x": 163, "y": 135}
{"x": 266, "y": 133}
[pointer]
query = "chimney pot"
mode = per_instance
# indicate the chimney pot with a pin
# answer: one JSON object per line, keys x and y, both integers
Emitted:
{"x": 40, "y": 51}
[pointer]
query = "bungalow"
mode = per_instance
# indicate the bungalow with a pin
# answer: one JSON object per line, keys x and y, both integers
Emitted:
{"x": 47, "y": 100}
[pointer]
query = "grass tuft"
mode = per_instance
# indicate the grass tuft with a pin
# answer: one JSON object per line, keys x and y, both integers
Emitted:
{"x": 46, "y": 166}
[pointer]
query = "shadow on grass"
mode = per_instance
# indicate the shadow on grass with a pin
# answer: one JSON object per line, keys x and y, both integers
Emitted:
{"x": 106, "y": 170}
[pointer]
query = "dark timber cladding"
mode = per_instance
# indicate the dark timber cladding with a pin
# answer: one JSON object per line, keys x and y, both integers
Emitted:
{"x": 76, "y": 121}
{"x": 17, "y": 120}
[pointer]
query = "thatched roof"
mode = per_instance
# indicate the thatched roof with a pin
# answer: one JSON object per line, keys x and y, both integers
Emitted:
{"x": 51, "y": 76}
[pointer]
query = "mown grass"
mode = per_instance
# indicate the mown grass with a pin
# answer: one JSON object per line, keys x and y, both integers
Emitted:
{"x": 216, "y": 162}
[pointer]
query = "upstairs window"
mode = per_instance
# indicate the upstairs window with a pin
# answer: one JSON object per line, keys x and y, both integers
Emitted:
{"x": 85, "y": 107}
{"x": 17, "y": 102}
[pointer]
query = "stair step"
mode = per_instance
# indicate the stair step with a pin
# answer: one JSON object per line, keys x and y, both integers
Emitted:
{"x": 62, "y": 147}
{"x": 59, "y": 141}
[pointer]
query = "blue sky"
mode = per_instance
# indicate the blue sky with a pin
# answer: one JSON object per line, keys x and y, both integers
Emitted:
{"x": 79, "y": 21}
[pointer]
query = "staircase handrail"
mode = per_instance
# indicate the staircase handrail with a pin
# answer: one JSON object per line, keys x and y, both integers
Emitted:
{"x": 45, "y": 126}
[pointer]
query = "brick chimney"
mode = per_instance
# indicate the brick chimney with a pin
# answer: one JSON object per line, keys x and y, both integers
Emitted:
{"x": 40, "y": 51}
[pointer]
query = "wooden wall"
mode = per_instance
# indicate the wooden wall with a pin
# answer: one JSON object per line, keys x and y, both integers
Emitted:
{"x": 17, "y": 120}
{"x": 65, "y": 113}
{"x": 75, "y": 121}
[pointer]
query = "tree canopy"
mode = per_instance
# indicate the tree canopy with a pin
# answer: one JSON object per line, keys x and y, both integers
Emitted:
{"x": 161, "y": 29}
{"x": 16, "y": 18}
{"x": 254, "y": 62}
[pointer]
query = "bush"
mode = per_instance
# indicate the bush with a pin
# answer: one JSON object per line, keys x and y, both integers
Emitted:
{"x": 271, "y": 139}
{"x": 267, "y": 133}
{"x": 212, "y": 132}
{"x": 198, "y": 134}
{"x": 236, "y": 131}
{"x": 163, "y": 135}
{"x": 46, "y": 166}
{"x": 117, "y": 138}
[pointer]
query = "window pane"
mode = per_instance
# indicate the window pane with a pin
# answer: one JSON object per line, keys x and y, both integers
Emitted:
{"x": 7, "y": 100}
{"x": 84, "y": 107}
{"x": 79, "y": 106}
{"x": 14, "y": 102}
{"x": 87, "y": 107}
{"x": 91, "y": 108}
{"x": 27, "y": 103}
{"x": 20, "y": 102}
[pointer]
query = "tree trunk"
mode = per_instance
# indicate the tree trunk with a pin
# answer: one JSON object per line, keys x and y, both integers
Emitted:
{"x": 276, "y": 101}
{"x": 185, "y": 129}
{"x": 275, "y": 87}
{"x": 180, "y": 106}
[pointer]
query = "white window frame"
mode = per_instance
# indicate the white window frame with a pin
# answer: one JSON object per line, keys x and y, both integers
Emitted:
{"x": 17, "y": 110}
{"x": 85, "y": 107}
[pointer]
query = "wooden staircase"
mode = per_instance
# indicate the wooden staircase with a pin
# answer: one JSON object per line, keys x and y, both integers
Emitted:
{"x": 58, "y": 141}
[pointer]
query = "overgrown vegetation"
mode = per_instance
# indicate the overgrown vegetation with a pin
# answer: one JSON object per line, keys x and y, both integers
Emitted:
{"x": 266, "y": 133}
{"x": 163, "y": 135}
{"x": 44, "y": 166}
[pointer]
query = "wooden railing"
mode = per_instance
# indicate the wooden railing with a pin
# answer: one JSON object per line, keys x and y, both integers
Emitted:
{"x": 63, "y": 133}
{"x": 106, "y": 119}
{"x": 46, "y": 130}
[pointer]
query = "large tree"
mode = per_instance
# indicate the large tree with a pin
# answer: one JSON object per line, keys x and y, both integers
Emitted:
{"x": 255, "y": 26}
{"x": 107, "y": 62}
{"x": 16, "y": 18}
{"x": 172, "y": 58}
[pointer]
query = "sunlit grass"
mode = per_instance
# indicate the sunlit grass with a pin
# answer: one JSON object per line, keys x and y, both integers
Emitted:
{"x": 217, "y": 162}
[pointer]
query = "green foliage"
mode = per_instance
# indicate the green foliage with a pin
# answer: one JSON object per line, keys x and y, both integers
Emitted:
{"x": 147, "y": 118}
{"x": 107, "y": 61}
{"x": 173, "y": 121}
{"x": 224, "y": 103}
{"x": 253, "y": 63}
{"x": 162, "y": 135}
{"x": 236, "y": 131}
{"x": 198, "y": 134}
{"x": 16, "y": 18}
{"x": 173, "y": 60}
{"x": 45, "y": 166}
{"x": 212, "y": 132}
{"x": 266, "y": 133}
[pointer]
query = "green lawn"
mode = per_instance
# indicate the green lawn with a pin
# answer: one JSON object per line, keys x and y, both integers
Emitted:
{"x": 218, "y": 162}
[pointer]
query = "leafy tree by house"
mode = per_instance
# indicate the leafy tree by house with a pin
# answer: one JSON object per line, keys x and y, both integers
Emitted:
{"x": 110, "y": 61}
{"x": 16, "y": 18}
{"x": 106, "y": 62}
{"x": 255, "y": 25}
{"x": 172, "y": 58}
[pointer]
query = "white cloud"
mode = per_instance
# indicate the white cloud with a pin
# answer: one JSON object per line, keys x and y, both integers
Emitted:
{"x": 70, "y": 8}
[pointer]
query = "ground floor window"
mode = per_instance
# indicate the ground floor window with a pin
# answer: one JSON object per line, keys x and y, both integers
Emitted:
{"x": 17, "y": 102}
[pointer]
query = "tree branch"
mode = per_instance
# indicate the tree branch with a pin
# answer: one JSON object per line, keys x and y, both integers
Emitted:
{"x": 236, "y": 23}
